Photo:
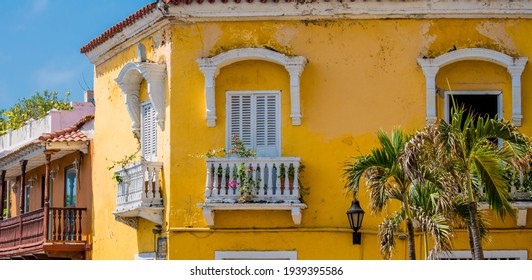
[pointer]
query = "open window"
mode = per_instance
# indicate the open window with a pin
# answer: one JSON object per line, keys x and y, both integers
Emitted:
{"x": 480, "y": 103}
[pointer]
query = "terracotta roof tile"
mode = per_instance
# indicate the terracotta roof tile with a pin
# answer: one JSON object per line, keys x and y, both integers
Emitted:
{"x": 69, "y": 134}
{"x": 118, "y": 27}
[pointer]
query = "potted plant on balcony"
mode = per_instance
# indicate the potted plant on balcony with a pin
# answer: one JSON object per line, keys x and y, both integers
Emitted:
{"x": 521, "y": 181}
{"x": 282, "y": 176}
{"x": 242, "y": 179}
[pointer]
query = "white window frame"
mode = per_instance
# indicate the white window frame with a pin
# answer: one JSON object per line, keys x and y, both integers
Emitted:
{"x": 27, "y": 197}
{"x": 488, "y": 254}
{"x": 154, "y": 156}
{"x": 255, "y": 255}
{"x": 253, "y": 92}
{"x": 447, "y": 100}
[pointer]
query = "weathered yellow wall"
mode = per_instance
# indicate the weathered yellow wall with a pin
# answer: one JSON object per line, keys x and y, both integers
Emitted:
{"x": 362, "y": 76}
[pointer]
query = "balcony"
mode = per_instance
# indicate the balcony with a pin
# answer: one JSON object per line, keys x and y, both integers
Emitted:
{"x": 23, "y": 236}
{"x": 276, "y": 179}
{"x": 139, "y": 193}
{"x": 520, "y": 200}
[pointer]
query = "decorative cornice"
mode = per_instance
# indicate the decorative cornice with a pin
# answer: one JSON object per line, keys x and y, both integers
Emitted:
{"x": 146, "y": 21}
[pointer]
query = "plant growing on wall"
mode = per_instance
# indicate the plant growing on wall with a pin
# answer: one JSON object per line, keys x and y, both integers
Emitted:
{"x": 34, "y": 107}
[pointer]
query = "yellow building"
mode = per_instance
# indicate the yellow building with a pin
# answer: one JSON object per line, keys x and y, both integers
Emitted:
{"x": 302, "y": 83}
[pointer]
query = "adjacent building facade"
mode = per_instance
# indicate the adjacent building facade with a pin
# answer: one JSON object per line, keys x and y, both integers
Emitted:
{"x": 46, "y": 186}
{"x": 303, "y": 84}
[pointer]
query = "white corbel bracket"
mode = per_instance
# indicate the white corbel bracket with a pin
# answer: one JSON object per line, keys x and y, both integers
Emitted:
{"x": 210, "y": 67}
{"x": 514, "y": 66}
{"x": 209, "y": 209}
{"x": 129, "y": 80}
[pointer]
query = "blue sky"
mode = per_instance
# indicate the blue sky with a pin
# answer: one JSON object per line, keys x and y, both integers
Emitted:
{"x": 40, "y": 42}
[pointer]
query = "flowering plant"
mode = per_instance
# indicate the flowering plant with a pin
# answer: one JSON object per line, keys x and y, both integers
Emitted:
{"x": 244, "y": 175}
{"x": 240, "y": 149}
{"x": 248, "y": 186}
{"x": 243, "y": 178}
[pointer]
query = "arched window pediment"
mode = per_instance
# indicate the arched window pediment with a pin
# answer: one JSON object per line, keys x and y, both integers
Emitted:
{"x": 211, "y": 67}
{"x": 129, "y": 80}
{"x": 514, "y": 66}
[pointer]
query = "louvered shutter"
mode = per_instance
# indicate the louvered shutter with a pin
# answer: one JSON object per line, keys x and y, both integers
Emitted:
{"x": 254, "y": 118}
{"x": 266, "y": 125}
{"x": 148, "y": 132}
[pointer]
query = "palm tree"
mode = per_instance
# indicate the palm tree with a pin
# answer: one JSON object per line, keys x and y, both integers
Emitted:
{"x": 431, "y": 211}
{"x": 386, "y": 180}
{"x": 427, "y": 215}
{"x": 465, "y": 152}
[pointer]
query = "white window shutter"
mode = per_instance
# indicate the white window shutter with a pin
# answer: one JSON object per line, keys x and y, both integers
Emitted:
{"x": 254, "y": 117}
{"x": 148, "y": 132}
{"x": 266, "y": 129}
{"x": 241, "y": 119}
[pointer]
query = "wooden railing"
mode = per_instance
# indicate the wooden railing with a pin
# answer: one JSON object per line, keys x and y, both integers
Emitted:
{"x": 22, "y": 230}
{"x": 276, "y": 179}
{"x": 26, "y": 231}
{"x": 66, "y": 224}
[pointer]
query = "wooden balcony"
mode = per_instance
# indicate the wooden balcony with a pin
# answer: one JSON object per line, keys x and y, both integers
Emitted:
{"x": 138, "y": 193}
{"x": 25, "y": 236}
{"x": 277, "y": 186}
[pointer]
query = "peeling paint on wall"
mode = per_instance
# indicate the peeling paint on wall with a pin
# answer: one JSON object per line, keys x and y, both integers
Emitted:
{"x": 496, "y": 31}
{"x": 426, "y": 38}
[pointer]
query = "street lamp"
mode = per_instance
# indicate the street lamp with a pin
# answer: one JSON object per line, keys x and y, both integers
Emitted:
{"x": 355, "y": 214}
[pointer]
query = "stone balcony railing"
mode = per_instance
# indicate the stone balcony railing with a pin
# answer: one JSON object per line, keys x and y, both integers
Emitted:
{"x": 139, "y": 193}
{"x": 520, "y": 201}
{"x": 277, "y": 186}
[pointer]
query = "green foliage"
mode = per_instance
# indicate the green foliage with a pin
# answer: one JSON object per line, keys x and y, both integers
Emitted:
{"x": 240, "y": 149}
{"x": 34, "y": 107}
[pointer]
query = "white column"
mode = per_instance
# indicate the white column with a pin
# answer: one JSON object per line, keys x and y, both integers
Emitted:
{"x": 295, "y": 67}
{"x": 515, "y": 71}
{"x": 154, "y": 75}
{"x": 430, "y": 72}
{"x": 131, "y": 91}
{"x": 210, "y": 72}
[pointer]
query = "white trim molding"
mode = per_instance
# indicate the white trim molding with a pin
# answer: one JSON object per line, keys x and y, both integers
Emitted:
{"x": 255, "y": 255}
{"x": 447, "y": 99}
{"x": 210, "y": 208}
{"x": 514, "y": 66}
{"x": 309, "y": 10}
{"x": 211, "y": 67}
{"x": 129, "y": 81}
{"x": 488, "y": 254}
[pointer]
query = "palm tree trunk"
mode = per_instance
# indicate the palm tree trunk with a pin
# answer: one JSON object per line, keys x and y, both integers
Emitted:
{"x": 426, "y": 244}
{"x": 471, "y": 244}
{"x": 477, "y": 242}
{"x": 411, "y": 244}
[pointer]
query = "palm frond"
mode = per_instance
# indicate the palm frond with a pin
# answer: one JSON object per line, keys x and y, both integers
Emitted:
{"x": 494, "y": 184}
{"x": 386, "y": 234}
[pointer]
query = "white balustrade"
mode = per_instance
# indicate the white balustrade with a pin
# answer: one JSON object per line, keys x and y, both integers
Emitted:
{"x": 139, "y": 186}
{"x": 274, "y": 180}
